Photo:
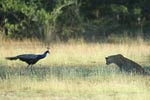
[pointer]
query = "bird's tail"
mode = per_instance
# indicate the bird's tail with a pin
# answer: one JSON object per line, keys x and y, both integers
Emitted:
{"x": 11, "y": 58}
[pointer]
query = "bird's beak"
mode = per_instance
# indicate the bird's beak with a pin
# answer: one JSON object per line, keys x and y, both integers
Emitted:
{"x": 48, "y": 49}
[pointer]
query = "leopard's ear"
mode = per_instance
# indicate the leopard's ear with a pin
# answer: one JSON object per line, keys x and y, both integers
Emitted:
{"x": 120, "y": 55}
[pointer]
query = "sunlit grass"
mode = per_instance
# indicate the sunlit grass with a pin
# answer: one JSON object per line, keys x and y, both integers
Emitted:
{"x": 72, "y": 71}
{"x": 76, "y": 53}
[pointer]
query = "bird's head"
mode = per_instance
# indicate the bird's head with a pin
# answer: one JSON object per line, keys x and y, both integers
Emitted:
{"x": 47, "y": 50}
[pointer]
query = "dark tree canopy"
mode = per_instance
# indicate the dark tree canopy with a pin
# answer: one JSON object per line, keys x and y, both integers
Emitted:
{"x": 66, "y": 19}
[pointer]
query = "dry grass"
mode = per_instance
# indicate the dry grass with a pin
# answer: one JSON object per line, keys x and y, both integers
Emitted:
{"x": 76, "y": 53}
{"x": 73, "y": 71}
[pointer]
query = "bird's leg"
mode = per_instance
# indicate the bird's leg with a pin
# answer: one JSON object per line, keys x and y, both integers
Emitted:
{"x": 28, "y": 66}
{"x": 31, "y": 68}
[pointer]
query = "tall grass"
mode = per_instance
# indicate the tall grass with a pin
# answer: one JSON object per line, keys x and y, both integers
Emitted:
{"x": 72, "y": 71}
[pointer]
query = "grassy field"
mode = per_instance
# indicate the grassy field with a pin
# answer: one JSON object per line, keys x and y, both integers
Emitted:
{"x": 73, "y": 71}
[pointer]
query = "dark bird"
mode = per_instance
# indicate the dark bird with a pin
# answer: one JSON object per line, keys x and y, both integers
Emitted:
{"x": 30, "y": 59}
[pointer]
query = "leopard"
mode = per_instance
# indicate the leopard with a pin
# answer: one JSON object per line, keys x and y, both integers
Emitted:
{"x": 125, "y": 64}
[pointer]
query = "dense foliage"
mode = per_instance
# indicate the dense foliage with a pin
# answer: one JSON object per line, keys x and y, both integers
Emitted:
{"x": 64, "y": 19}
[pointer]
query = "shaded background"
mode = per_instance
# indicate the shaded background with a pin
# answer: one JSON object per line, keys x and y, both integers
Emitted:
{"x": 53, "y": 20}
